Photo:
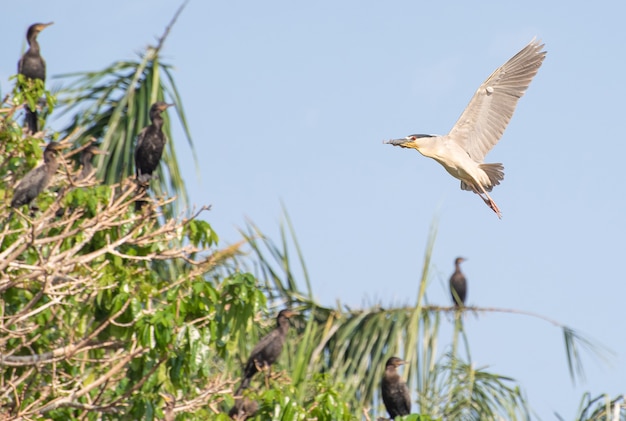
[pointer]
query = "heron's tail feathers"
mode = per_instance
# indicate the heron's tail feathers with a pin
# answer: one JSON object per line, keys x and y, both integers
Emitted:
{"x": 495, "y": 172}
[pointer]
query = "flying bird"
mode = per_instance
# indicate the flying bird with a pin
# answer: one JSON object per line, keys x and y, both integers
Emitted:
{"x": 33, "y": 66}
{"x": 396, "y": 395}
{"x": 458, "y": 284}
{"x": 462, "y": 151}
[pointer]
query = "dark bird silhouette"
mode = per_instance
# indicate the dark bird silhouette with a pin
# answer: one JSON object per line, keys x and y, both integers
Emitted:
{"x": 396, "y": 395}
{"x": 86, "y": 158}
{"x": 35, "y": 181}
{"x": 33, "y": 66}
{"x": 150, "y": 144}
{"x": 266, "y": 352}
{"x": 458, "y": 284}
{"x": 244, "y": 409}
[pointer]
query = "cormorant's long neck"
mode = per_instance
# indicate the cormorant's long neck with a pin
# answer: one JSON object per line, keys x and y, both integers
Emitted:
{"x": 51, "y": 162}
{"x": 283, "y": 325}
{"x": 85, "y": 159}
{"x": 157, "y": 121}
{"x": 391, "y": 371}
{"x": 33, "y": 44}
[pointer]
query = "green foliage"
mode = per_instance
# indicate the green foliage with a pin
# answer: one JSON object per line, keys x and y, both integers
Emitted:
{"x": 28, "y": 91}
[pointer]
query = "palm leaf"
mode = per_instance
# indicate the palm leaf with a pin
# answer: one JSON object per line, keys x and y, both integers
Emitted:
{"x": 351, "y": 346}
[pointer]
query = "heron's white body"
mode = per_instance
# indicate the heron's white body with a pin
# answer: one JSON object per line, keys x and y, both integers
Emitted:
{"x": 461, "y": 167}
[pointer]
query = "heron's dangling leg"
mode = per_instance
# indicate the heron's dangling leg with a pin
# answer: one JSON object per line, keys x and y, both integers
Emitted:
{"x": 488, "y": 201}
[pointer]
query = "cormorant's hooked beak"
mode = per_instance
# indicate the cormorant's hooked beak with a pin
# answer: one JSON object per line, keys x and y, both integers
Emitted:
{"x": 42, "y": 26}
{"x": 59, "y": 146}
{"x": 290, "y": 313}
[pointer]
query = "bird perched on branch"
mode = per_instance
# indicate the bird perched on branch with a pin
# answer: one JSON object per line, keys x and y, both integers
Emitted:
{"x": 149, "y": 149}
{"x": 458, "y": 284}
{"x": 396, "y": 395}
{"x": 86, "y": 158}
{"x": 150, "y": 144}
{"x": 33, "y": 66}
{"x": 266, "y": 352}
{"x": 35, "y": 181}
{"x": 462, "y": 151}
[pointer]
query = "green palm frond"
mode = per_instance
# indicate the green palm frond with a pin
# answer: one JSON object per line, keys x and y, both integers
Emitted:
{"x": 351, "y": 346}
{"x": 600, "y": 408}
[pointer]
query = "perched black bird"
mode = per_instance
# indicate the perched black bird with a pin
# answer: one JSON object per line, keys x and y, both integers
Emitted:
{"x": 244, "y": 409}
{"x": 266, "y": 352}
{"x": 85, "y": 160}
{"x": 458, "y": 284}
{"x": 33, "y": 66}
{"x": 35, "y": 181}
{"x": 396, "y": 395}
{"x": 150, "y": 144}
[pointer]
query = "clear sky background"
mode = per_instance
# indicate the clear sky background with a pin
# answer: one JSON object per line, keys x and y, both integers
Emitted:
{"x": 290, "y": 102}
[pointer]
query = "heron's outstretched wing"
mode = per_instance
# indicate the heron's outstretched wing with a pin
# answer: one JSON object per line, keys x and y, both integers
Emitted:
{"x": 483, "y": 122}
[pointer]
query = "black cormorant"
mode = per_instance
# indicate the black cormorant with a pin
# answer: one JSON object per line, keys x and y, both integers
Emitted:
{"x": 396, "y": 395}
{"x": 150, "y": 144}
{"x": 33, "y": 66}
{"x": 266, "y": 352}
{"x": 458, "y": 284}
{"x": 35, "y": 181}
{"x": 85, "y": 160}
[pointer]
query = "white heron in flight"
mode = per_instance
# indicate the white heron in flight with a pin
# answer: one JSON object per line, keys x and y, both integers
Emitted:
{"x": 462, "y": 151}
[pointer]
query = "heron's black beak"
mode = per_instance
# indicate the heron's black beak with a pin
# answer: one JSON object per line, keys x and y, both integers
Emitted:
{"x": 399, "y": 142}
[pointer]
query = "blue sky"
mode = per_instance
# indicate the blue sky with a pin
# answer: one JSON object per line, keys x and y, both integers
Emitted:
{"x": 290, "y": 102}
